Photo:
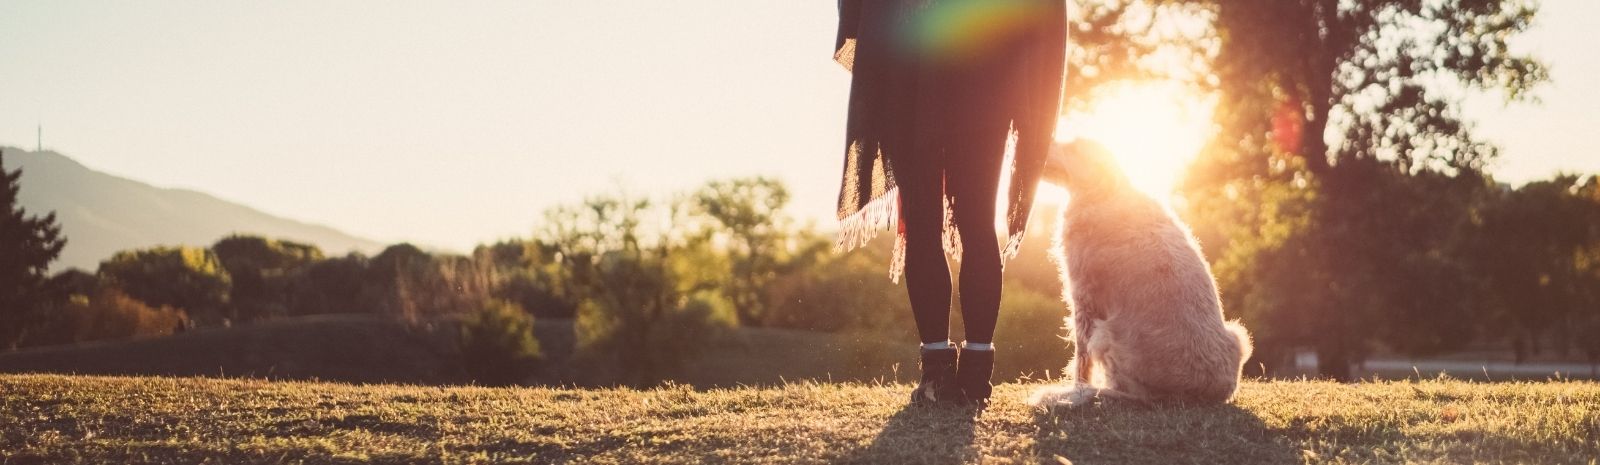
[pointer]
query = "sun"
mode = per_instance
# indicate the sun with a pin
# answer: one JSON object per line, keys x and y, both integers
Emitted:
{"x": 1154, "y": 130}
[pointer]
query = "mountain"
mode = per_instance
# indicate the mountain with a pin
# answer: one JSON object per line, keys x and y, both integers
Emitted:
{"x": 101, "y": 214}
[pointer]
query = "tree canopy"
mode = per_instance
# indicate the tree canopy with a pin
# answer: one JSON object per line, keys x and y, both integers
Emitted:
{"x": 261, "y": 271}
{"x": 187, "y": 278}
{"x": 1342, "y": 164}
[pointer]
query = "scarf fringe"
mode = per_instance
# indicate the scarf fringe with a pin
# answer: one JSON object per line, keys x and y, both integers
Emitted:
{"x": 862, "y": 226}
{"x": 846, "y": 55}
{"x": 883, "y": 213}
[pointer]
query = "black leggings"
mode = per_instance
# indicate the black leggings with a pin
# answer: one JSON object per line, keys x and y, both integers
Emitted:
{"x": 972, "y": 158}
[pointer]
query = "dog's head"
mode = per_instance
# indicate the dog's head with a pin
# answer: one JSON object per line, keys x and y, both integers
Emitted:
{"x": 1083, "y": 167}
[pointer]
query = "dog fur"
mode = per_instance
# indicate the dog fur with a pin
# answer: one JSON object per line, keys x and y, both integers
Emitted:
{"x": 1146, "y": 321}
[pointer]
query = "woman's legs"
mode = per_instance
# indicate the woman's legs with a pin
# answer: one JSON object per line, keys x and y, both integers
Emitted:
{"x": 927, "y": 273}
{"x": 975, "y": 164}
{"x": 928, "y": 279}
{"x": 969, "y": 177}
{"x": 974, "y": 193}
{"x": 974, "y": 157}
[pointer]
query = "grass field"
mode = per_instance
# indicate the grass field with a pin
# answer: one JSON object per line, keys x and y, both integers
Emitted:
{"x": 66, "y": 419}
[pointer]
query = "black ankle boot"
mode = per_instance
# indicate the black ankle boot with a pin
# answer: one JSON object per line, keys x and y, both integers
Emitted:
{"x": 972, "y": 376}
{"x": 938, "y": 379}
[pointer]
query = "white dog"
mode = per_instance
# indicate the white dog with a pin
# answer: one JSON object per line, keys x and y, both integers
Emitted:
{"x": 1146, "y": 321}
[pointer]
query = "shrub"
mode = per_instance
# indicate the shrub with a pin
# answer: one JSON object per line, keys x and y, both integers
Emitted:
{"x": 651, "y": 319}
{"x": 845, "y": 292}
{"x": 497, "y": 344}
{"x": 108, "y": 313}
{"x": 185, "y": 278}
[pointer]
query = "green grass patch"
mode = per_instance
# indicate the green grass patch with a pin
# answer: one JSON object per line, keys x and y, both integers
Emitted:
{"x": 71, "y": 419}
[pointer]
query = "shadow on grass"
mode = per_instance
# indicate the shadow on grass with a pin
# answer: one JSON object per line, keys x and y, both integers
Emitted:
{"x": 924, "y": 435}
{"x": 1131, "y": 434}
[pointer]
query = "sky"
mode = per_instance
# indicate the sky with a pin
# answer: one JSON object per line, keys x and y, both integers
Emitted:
{"x": 450, "y": 124}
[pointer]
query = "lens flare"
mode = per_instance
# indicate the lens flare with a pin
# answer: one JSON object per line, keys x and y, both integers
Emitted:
{"x": 957, "y": 29}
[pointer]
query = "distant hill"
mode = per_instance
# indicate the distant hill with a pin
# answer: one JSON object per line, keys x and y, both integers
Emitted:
{"x": 102, "y": 214}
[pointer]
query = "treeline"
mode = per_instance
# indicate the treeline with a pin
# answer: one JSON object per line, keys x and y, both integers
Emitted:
{"x": 1437, "y": 263}
{"x": 1409, "y": 264}
{"x": 244, "y": 279}
{"x": 649, "y": 283}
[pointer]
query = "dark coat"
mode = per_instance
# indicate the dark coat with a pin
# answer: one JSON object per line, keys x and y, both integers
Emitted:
{"x": 966, "y": 63}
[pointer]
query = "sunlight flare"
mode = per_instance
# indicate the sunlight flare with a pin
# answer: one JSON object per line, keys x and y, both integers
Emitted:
{"x": 1154, "y": 130}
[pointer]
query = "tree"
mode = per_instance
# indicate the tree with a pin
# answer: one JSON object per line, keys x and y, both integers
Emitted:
{"x": 1333, "y": 115}
{"x": 1119, "y": 41}
{"x": 498, "y": 347}
{"x": 397, "y": 260}
{"x": 261, "y": 270}
{"x": 75, "y": 281}
{"x": 1533, "y": 250}
{"x": 650, "y": 289}
{"x": 335, "y": 285}
{"x": 1384, "y": 78}
{"x": 186, "y": 278}
{"x": 756, "y": 230}
{"x": 28, "y": 243}
{"x": 527, "y": 273}
{"x": 1586, "y": 327}
{"x": 410, "y": 284}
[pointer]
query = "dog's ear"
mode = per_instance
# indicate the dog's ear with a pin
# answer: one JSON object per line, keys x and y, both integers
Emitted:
{"x": 1094, "y": 159}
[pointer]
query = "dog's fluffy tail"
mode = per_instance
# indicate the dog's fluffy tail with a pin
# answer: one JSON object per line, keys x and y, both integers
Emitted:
{"x": 1078, "y": 395}
{"x": 1245, "y": 347}
{"x": 1055, "y": 395}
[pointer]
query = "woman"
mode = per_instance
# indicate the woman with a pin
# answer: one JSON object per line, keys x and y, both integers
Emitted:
{"x": 939, "y": 89}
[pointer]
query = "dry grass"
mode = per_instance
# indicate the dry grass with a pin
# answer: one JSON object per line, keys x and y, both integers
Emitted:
{"x": 65, "y": 419}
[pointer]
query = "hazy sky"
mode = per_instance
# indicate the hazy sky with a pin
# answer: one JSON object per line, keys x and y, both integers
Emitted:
{"x": 453, "y": 123}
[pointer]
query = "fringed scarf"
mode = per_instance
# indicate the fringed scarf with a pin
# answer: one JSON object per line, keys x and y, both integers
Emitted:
{"x": 882, "y": 42}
